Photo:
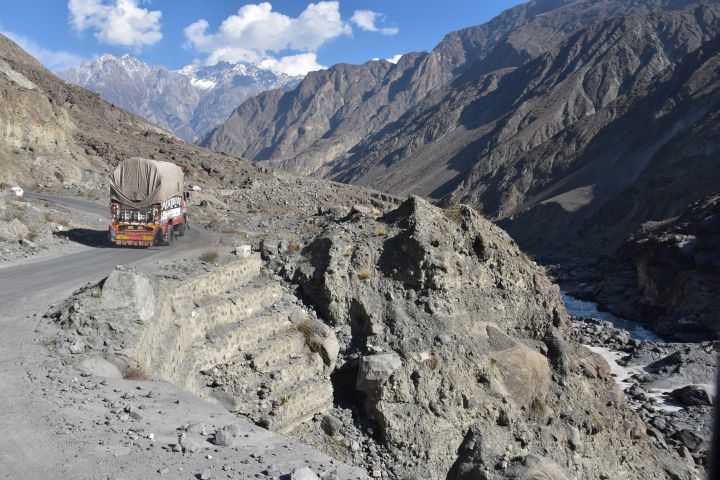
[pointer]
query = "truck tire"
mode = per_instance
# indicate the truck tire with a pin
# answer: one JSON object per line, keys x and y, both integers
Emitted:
{"x": 181, "y": 229}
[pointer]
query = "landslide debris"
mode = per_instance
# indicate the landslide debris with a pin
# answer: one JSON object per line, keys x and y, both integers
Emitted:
{"x": 457, "y": 356}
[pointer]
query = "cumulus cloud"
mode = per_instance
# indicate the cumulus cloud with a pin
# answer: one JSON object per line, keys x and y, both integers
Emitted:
{"x": 299, "y": 64}
{"x": 117, "y": 22}
{"x": 55, "y": 60}
{"x": 258, "y": 34}
{"x": 368, "y": 20}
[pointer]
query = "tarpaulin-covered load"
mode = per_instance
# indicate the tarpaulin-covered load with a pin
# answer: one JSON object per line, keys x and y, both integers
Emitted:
{"x": 140, "y": 183}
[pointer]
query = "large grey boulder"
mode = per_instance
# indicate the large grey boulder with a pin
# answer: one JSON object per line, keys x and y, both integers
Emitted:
{"x": 376, "y": 369}
{"x": 129, "y": 293}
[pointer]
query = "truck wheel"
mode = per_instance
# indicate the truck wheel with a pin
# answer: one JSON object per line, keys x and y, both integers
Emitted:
{"x": 170, "y": 235}
{"x": 181, "y": 230}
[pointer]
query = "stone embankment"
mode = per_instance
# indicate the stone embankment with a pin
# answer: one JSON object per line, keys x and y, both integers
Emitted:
{"x": 229, "y": 334}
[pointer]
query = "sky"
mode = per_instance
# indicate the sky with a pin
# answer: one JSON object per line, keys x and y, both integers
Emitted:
{"x": 289, "y": 36}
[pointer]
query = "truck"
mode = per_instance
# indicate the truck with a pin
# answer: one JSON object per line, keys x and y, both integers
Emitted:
{"x": 147, "y": 203}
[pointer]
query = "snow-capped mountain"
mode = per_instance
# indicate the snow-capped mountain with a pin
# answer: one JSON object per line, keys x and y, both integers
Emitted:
{"x": 189, "y": 101}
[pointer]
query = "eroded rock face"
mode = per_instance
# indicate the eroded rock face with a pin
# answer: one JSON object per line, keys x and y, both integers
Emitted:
{"x": 448, "y": 329}
{"x": 668, "y": 274}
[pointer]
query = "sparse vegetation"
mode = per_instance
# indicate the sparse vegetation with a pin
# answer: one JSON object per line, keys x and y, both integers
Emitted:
{"x": 364, "y": 274}
{"x": 304, "y": 328}
{"x": 454, "y": 211}
{"x": 50, "y": 218}
{"x": 293, "y": 247}
{"x": 380, "y": 231}
{"x": 234, "y": 231}
{"x": 211, "y": 256}
{"x": 136, "y": 373}
{"x": 433, "y": 362}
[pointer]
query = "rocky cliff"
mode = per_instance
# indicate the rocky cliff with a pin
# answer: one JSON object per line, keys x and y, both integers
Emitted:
{"x": 668, "y": 274}
{"x": 459, "y": 352}
{"x": 188, "y": 102}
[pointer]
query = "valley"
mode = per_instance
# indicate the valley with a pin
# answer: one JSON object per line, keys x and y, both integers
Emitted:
{"x": 498, "y": 259}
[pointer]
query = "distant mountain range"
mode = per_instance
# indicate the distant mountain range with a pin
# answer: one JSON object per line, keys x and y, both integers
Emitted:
{"x": 569, "y": 121}
{"x": 188, "y": 102}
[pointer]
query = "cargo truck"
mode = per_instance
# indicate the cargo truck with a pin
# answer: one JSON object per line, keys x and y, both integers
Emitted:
{"x": 147, "y": 203}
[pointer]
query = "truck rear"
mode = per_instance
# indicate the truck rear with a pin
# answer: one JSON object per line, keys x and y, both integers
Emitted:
{"x": 147, "y": 203}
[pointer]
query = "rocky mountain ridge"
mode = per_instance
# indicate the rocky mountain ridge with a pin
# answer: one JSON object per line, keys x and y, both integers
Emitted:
{"x": 507, "y": 116}
{"x": 188, "y": 102}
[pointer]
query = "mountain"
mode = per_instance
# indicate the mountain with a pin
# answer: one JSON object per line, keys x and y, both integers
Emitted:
{"x": 501, "y": 115}
{"x": 188, "y": 102}
{"x": 56, "y": 133}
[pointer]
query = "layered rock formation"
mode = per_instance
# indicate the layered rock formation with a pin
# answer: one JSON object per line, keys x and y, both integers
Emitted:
{"x": 668, "y": 274}
{"x": 447, "y": 331}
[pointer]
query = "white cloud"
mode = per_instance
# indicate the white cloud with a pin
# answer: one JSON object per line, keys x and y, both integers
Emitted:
{"x": 117, "y": 22}
{"x": 299, "y": 64}
{"x": 258, "y": 34}
{"x": 368, "y": 20}
{"x": 55, "y": 60}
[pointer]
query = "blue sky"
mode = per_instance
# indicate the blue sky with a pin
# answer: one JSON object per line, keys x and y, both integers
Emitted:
{"x": 293, "y": 36}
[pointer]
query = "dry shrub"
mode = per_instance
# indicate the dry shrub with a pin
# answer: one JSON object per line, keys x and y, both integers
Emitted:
{"x": 433, "y": 362}
{"x": 136, "y": 373}
{"x": 235, "y": 231}
{"x": 50, "y": 218}
{"x": 211, "y": 256}
{"x": 381, "y": 231}
{"x": 454, "y": 211}
{"x": 364, "y": 274}
{"x": 305, "y": 328}
{"x": 293, "y": 247}
{"x": 349, "y": 252}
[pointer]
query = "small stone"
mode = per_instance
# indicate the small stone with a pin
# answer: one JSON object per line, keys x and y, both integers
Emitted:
{"x": 575, "y": 441}
{"x": 304, "y": 473}
{"x": 331, "y": 425}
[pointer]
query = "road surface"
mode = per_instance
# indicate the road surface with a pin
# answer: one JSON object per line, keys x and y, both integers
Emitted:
{"x": 28, "y": 446}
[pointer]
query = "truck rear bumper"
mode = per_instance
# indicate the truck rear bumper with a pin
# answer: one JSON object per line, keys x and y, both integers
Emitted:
{"x": 124, "y": 237}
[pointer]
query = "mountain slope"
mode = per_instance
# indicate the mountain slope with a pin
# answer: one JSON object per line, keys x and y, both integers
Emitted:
{"x": 53, "y": 132}
{"x": 188, "y": 102}
{"x": 332, "y": 111}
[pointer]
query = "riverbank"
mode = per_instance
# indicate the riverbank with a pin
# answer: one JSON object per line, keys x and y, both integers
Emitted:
{"x": 669, "y": 385}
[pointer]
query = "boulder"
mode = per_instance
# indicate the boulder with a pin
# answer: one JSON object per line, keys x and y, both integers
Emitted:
{"x": 99, "y": 367}
{"x": 129, "y": 293}
{"x": 375, "y": 370}
{"x": 331, "y": 425}
{"x": 304, "y": 473}
{"x": 692, "y": 396}
{"x": 524, "y": 372}
{"x": 536, "y": 467}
